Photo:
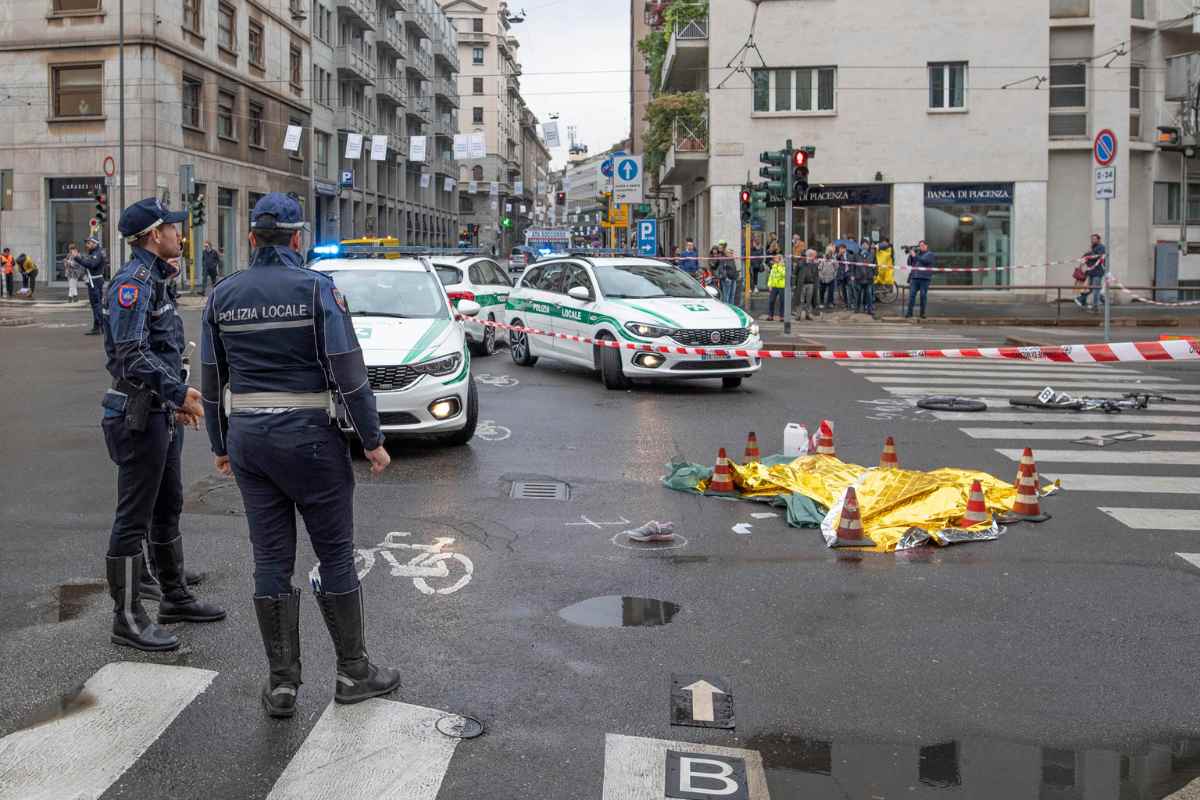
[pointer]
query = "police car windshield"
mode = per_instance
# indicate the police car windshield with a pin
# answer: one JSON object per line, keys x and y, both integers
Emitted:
{"x": 646, "y": 280}
{"x": 391, "y": 293}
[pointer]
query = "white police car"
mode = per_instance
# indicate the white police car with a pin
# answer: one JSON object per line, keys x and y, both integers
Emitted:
{"x": 482, "y": 280}
{"x": 638, "y": 300}
{"x": 417, "y": 360}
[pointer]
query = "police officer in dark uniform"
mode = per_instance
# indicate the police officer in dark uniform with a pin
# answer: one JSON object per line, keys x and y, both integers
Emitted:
{"x": 278, "y": 338}
{"x": 96, "y": 264}
{"x": 145, "y": 412}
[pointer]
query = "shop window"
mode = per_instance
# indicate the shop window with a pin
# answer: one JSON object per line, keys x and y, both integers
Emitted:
{"x": 75, "y": 6}
{"x": 77, "y": 90}
{"x": 227, "y": 27}
{"x": 1135, "y": 102}
{"x": 803, "y": 90}
{"x": 226, "y": 102}
{"x": 192, "y": 15}
{"x": 193, "y": 116}
{"x": 1068, "y": 100}
{"x": 969, "y": 225}
{"x": 948, "y": 86}
{"x": 257, "y": 126}
{"x": 254, "y": 43}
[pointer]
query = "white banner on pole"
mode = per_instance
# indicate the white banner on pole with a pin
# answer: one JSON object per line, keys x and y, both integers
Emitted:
{"x": 425, "y": 176}
{"x": 494, "y": 191}
{"x": 448, "y": 184}
{"x": 523, "y": 208}
{"x": 291, "y": 139}
{"x": 460, "y": 146}
{"x": 416, "y": 148}
{"x": 519, "y": 187}
{"x": 353, "y": 146}
{"x": 476, "y": 147}
{"x": 378, "y": 148}
{"x": 550, "y": 133}
{"x": 473, "y": 187}
{"x": 508, "y": 208}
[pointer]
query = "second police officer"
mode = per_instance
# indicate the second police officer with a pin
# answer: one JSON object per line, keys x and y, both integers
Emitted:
{"x": 145, "y": 412}
{"x": 96, "y": 265}
{"x": 278, "y": 340}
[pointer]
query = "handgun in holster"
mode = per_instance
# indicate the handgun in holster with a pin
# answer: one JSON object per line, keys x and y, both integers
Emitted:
{"x": 139, "y": 399}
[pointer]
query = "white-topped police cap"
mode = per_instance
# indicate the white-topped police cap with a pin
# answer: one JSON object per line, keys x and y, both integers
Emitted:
{"x": 146, "y": 215}
{"x": 283, "y": 210}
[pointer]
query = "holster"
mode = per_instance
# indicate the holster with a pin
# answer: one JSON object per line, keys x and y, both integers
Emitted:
{"x": 138, "y": 404}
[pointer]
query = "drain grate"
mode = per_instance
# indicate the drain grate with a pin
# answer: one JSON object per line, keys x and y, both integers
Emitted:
{"x": 540, "y": 490}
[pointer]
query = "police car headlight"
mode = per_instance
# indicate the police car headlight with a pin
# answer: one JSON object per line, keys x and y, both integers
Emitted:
{"x": 754, "y": 329}
{"x": 442, "y": 365}
{"x": 648, "y": 331}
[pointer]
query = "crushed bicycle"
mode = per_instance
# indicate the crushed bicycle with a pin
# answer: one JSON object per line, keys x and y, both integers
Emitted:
{"x": 1050, "y": 400}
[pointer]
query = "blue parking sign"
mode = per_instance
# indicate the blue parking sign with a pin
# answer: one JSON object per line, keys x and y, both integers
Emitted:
{"x": 648, "y": 237}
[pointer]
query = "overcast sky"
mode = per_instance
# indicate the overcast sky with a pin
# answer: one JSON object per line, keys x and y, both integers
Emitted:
{"x": 586, "y": 42}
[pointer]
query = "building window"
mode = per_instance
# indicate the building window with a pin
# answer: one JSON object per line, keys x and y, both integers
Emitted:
{"x": 1168, "y": 205}
{"x": 75, "y": 6}
{"x": 77, "y": 90}
{"x": 1064, "y": 9}
{"x": 477, "y": 115}
{"x": 1137, "y": 9}
{"x": 477, "y": 173}
{"x": 192, "y": 15}
{"x": 477, "y": 85}
{"x": 804, "y": 90}
{"x": 477, "y": 24}
{"x": 1135, "y": 102}
{"x": 1068, "y": 99}
{"x": 255, "y": 117}
{"x": 948, "y": 85}
{"x": 192, "y": 110}
{"x": 225, "y": 105}
{"x": 254, "y": 41}
{"x": 476, "y": 55}
{"x": 296, "y": 71}
{"x": 226, "y": 27}
{"x": 322, "y": 154}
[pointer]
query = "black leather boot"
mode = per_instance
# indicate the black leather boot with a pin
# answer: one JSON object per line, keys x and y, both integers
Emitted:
{"x": 193, "y": 578}
{"x": 357, "y": 678}
{"x": 178, "y": 604}
{"x": 131, "y": 625}
{"x": 279, "y": 623}
{"x": 149, "y": 588}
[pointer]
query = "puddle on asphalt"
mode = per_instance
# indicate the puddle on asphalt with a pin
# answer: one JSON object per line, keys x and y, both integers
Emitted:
{"x": 72, "y": 702}
{"x": 815, "y": 768}
{"x": 73, "y": 598}
{"x": 615, "y": 611}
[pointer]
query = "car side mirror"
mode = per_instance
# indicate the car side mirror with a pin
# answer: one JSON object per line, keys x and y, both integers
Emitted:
{"x": 468, "y": 308}
{"x": 579, "y": 293}
{"x": 711, "y": 291}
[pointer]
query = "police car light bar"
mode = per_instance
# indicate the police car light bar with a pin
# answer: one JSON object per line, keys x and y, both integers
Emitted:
{"x": 327, "y": 249}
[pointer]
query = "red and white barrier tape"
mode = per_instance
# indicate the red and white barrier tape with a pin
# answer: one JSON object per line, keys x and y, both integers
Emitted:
{"x": 873, "y": 264}
{"x": 1067, "y": 353}
{"x": 1137, "y": 298}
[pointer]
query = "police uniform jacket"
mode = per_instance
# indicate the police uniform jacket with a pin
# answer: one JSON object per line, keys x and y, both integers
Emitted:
{"x": 279, "y": 327}
{"x": 143, "y": 337}
{"x": 94, "y": 262}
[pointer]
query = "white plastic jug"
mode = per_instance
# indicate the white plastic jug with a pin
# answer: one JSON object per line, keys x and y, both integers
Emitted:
{"x": 795, "y": 440}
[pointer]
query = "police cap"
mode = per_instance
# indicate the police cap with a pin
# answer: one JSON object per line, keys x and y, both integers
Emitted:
{"x": 146, "y": 215}
{"x": 278, "y": 211}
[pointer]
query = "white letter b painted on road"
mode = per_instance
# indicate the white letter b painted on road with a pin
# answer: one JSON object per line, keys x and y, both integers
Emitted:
{"x": 693, "y": 776}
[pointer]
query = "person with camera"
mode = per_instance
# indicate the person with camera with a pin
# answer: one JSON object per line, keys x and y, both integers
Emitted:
{"x": 921, "y": 262}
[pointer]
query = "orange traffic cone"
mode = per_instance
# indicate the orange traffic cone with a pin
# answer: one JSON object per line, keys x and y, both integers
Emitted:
{"x": 849, "y": 529}
{"x": 825, "y": 439}
{"x": 889, "y": 458}
{"x": 1028, "y": 506}
{"x": 722, "y": 479}
{"x": 1027, "y": 467}
{"x": 752, "y": 452}
{"x": 977, "y": 513}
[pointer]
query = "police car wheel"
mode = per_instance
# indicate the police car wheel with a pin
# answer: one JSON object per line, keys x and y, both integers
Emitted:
{"x": 459, "y": 438}
{"x": 611, "y": 369}
{"x": 731, "y": 382}
{"x": 518, "y": 347}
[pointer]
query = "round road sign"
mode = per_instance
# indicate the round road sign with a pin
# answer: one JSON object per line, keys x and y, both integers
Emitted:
{"x": 110, "y": 166}
{"x": 1105, "y": 147}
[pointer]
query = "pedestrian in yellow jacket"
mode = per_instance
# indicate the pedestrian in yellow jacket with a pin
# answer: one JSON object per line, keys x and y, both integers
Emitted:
{"x": 776, "y": 282}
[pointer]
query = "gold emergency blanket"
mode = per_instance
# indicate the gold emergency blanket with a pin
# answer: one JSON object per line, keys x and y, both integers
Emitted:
{"x": 890, "y": 501}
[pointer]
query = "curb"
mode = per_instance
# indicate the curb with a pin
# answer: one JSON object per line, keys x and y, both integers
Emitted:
{"x": 1173, "y": 322}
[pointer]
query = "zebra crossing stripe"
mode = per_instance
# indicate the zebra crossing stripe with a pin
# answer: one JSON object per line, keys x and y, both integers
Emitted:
{"x": 375, "y": 749}
{"x": 1068, "y": 434}
{"x": 954, "y": 370}
{"x": 1143, "y": 419}
{"x": 1156, "y": 519}
{"x": 121, "y": 710}
{"x": 635, "y": 769}
{"x": 1142, "y": 484}
{"x": 1191, "y": 558}
{"x": 1091, "y": 456}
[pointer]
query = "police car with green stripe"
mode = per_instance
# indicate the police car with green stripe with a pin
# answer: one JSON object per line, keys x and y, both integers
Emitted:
{"x": 477, "y": 278}
{"x": 628, "y": 300}
{"x": 416, "y": 352}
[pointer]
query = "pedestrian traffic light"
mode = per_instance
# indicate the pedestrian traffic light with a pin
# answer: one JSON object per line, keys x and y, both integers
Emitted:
{"x": 560, "y": 199}
{"x": 744, "y": 199}
{"x": 198, "y": 211}
{"x": 101, "y": 207}
{"x": 506, "y": 222}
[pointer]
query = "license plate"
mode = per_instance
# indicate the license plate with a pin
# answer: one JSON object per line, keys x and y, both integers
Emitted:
{"x": 711, "y": 357}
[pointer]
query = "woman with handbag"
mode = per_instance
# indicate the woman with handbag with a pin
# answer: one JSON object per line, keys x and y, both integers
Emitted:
{"x": 1092, "y": 270}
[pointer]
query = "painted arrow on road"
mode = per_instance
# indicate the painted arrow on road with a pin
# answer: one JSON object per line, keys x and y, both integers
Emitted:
{"x": 702, "y": 700}
{"x": 742, "y": 528}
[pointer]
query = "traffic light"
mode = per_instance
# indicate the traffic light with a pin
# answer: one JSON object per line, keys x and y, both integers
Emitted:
{"x": 800, "y": 159}
{"x": 506, "y": 222}
{"x": 776, "y": 174}
{"x": 744, "y": 198}
{"x": 198, "y": 211}
{"x": 101, "y": 207}
{"x": 560, "y": 199}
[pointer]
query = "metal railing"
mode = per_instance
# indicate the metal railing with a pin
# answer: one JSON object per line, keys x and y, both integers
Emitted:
{"x": 692, "y": 30}
{"x": 356, "y": 61}
{"x": 687, "y": 138}
{"x": 363, "y": 9}
{"x": 423, "y": 59}
{"x": 392, "y": 87}
{"x": 1062, "y": 294}
{"x": 391, "y": 36}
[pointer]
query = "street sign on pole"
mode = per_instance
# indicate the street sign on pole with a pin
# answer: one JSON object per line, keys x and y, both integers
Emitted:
{"x": 627, "y": 179}
{"x": 1105, "y": 147}
{"x": 648, "y": 237}
{"x": 1106, "y": 183}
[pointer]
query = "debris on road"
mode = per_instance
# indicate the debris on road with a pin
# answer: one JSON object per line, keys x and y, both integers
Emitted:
{"x": 652, "y": 531}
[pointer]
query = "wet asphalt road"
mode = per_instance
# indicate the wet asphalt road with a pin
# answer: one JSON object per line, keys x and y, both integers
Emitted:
{"x": 1076, "y": 636}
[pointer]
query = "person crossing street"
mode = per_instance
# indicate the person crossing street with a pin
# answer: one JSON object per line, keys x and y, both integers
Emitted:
{"x": 279, "y": 337}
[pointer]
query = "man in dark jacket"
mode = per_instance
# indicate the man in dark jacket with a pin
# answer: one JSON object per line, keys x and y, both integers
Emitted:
{"x": 921, "y": 263}
{"x": 1095, "y": 264}
{"x": 96, "y": 265}
{"x": 212, "y": 266}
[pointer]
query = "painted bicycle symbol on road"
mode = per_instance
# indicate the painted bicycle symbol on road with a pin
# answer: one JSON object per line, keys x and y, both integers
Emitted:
{"x": 501, "y": 381}
{"x": 431, "y": 562}
{"x": 489, "y": 431}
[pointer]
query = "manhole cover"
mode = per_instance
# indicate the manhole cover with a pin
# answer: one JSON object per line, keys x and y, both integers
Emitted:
{"x": 540, "y": 490}
{"x": 459, "y": 727}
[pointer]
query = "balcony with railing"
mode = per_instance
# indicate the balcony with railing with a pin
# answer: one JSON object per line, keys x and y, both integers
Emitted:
{"x": 420, "y": 62}
{"x": 685, "y": 66}
{"x": 446, "y": 126}
{"x": 354, "y": 120}
{"x": 514, "y": 85}
{"x": 687, "y": 157}
{"x": 447, "y": 89}
{"x": 389, "y": 38}
{"x": 391, "y": 88}
{"x": 420, "y": 106}
{"x": 444, "y": 163}
{"x": 446, "y": 48}
{"x": 362, "y": 11}
{"x": 355, "y": 63}
{"x": 419, "y": 17}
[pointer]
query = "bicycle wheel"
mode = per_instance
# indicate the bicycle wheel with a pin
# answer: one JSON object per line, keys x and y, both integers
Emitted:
{"x": 886, "y": 293}
{"x": 1020, "y": 402}
{"x": 951, "y": 403}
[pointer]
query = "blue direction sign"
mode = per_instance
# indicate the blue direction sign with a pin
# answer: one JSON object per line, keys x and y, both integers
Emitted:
{"x": 606, "y": 167}
{"x": 648, "y": 237}
{"x": 627, "y": 169}
{"x": 1105, "y": 147}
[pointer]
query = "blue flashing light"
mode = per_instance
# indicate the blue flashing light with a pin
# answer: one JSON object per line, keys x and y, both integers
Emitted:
{"x": 327, "y": 250}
